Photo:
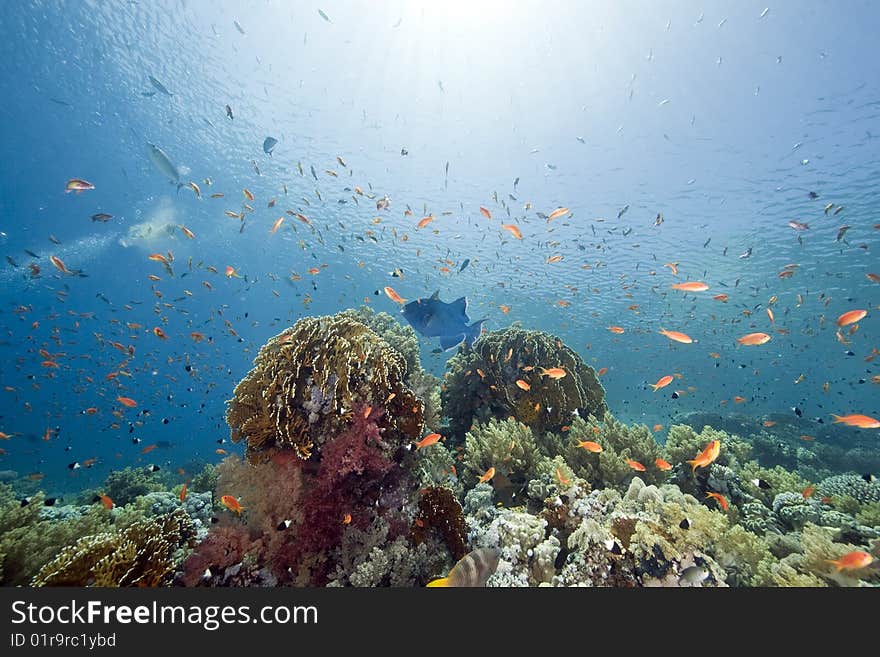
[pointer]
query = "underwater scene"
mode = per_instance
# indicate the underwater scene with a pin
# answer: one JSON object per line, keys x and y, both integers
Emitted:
{"x": 411, "y": 294}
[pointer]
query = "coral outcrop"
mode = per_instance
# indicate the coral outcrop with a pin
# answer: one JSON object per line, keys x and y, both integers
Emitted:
{"x": 306, "y": 382}
{"x": 482, "y": 383}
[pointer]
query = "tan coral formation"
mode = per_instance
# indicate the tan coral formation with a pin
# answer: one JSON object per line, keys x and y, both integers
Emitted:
{"x": 306, "y": 381}
{"x": 143, "y": 554}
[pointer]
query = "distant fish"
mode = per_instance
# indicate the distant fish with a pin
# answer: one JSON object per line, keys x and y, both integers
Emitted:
{"x": 622, "y": 211}
{"x": 324, "y": 16}
{"x": 238, "y": 26}
{"x": 163, "y": 164}
{"x": 472, "y": 570}
{"x": 159, "y": 86}
{"x": 269, "y": 144}
{"x": 464, "y": 265}
{"x": 433, "y": 318}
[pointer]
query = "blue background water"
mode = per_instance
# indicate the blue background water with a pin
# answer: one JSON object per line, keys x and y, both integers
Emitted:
{"x": 760, "y": 111}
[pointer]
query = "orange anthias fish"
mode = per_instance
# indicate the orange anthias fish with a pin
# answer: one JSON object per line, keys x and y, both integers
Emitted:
{"x": 158, "y": 257}
{"x": 673, "y": 266}
{"x": 59, "y": 265}
{"x": 657, "y": 427}
{"x": 707, "y": 456}
{"x": 198, "y": 337}
{"x": 684, "y": 338}
{"x": 590, "y": 446}
{"x": 232, "y": 504}
{"x": 486, "y": 476}
{"x": 425, "y": 221}
{"x": 752, "y": 339}
{"x": 808, "y": 491}
{"x": 663, "y": 382}
{"x": 851, "y": 317}
{"x": 430, "y": 439}
{"x": 565, "y": 481}
{"x": 617, "y": 330}
{"x": 485, "y": 212}
{"x": 553, "y": 372}
{"x": 160, "y": 333}
{"x": 852, "y": 560}
{"x": 558, "y": 212}
{"x": 635, "y": 465}
{"x": 693, "y": 286}
{"x": 276, "y": 225}
{"x": 718, "y": 497}
{"x": 183, "y": 491}
{"x": 513, "y": 229}
{"x": 186, "y": 231}
{"x": 522, "y": 385}
{"x": 602, "y": 371}
{"x": 148, "y": 449}
{"x": 106, "y": 501}
{"x": 554, "y": 258}
{"x": 662, "y": 465}
{"x": 127, "y": 401}
{"x": 394, "y": 296}
{"x": 854, "y": 420}
{"x": 721, "y": 297}
{"x": 77, "y": 185}
{"x": 230, "y": 272}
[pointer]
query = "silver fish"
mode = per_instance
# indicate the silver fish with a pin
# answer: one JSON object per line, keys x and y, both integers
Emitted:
{"x": 693, "y": 576}
{"x": 159, "y": 86}
{"x": 164, "y": 165}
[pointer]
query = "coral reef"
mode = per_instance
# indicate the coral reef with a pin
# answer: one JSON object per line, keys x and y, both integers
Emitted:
{"x": 123, "y": 486}
{"x": 306, "y": 382}
{"x": 508, "y": 446}
{"x": 850, "y": 485}
{"x": 440, "y": 511}
{"x": 143, "y": 554}
{"x": 481, "y": 383}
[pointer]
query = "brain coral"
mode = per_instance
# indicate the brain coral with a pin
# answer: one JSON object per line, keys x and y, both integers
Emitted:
{"x": 306, "y": 381}
{"x": 503, "y": 376}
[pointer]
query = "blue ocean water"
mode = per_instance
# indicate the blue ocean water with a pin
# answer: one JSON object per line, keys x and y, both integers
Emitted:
{"x": 721, "y": 121}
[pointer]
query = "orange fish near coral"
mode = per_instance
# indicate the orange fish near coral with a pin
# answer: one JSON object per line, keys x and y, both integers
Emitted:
{"x": 851, "y": 317}
{"x": 602, "y": 371}
{"x": 718, "y": 497}
{"x": 852, "y": 560}
{"x": 183, "y": 490}
{"x": 394, "y": 296}
{"x": 707, "y": 456}
{"x": 855, "y": 420}
{"x": 635, "y": 465}
{"x": 662, "y": 382}
{"x": 486, "y": 476}
{"x": 692, "y": 286}
{"x": 752, "y": 339}
{"x": 553, "y": 372}
{"x": 522, "y": 385}
{"x": 677, "y": 336}
{"x": 428, "y": 440}
{"x": 106, "y": 501}
{"x": 662, "y": 465}
{"x": 590, "y": 446}
{"x": 232, "y": 504}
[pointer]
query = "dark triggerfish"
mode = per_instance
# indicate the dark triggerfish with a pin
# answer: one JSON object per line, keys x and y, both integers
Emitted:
{"x": 433, "y": 318}
{"x": 473, "y": 569}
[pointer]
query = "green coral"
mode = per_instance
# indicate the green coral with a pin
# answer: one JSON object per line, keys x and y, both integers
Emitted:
{"x": 786, "y": 573}
{"x": 123, "y": 486}
{"x": 204, "y": 480}
{"x": 869, "y": 514}
{"x": 402, "y": 338}
{"x": 144, "y": 554}
{"x": 307, "y": 381}
{"x": 481, "y": 383}
{"x": 509, "y": 447}
{"x": 820, "y": 548}
{"x": 620, "y": 443}
{"x": 779, "y": 479}
{"x": 28, "y": 541}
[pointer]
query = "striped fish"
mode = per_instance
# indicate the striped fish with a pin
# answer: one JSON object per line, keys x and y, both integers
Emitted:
{"x": 473, "y": 569}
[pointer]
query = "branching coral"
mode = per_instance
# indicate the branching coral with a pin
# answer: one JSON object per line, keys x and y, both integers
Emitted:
{"x": 509, "y": 447}
{"x": 123, "y": 486}
{"x": 307, "y": 380}
{"x": 620, "y": 443}
{"x": 481, "y": 383}
{"x": 141, "y": 555}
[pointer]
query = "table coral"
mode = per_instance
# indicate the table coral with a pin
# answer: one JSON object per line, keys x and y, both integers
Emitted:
{"x": 307, "y": 380}
{"x": 481, "y": 383}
